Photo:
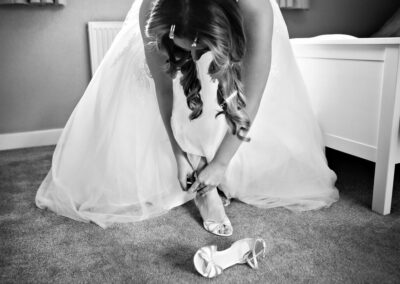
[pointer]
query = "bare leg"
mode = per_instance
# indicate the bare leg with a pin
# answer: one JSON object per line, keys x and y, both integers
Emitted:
{"x": 211, "y": 207}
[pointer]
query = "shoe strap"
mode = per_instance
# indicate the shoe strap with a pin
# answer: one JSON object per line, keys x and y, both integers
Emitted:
{"x": 251, "y": 256}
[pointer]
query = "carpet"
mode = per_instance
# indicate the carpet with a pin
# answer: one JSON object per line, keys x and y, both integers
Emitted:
{"x": 346, "y": 243}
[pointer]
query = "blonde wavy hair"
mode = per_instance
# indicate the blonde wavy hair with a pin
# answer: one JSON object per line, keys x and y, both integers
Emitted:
{"x": 223, "y": 34}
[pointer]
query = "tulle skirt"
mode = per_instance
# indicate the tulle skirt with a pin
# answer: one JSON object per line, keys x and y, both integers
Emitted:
{"x": 114, "y": 162}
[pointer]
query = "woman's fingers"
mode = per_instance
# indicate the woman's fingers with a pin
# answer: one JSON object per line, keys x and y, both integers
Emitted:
{"x": 194, "y": 186}
{"x": 190, "y": 179}
{"x": 205, "y": 189}
{"x": 203, "y": 180}
{"x": 186, "y": 180}
{"x": 201, "y": 188}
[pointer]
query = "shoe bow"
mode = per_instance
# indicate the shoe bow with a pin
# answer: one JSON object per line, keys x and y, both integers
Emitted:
{"x": 211, "y": 268}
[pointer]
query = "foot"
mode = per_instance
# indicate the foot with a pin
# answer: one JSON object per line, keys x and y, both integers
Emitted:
{"x": 213, "y": 213}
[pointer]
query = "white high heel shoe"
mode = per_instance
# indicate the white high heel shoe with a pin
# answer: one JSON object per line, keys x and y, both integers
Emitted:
{"x": 223, "y": 228}
{"x": 210, "y": 263}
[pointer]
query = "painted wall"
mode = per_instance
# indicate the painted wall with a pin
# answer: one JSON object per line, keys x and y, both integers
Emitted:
{"x": 359, "y": 18}
{"x": 44, "y": 61}
{"x": 44, "y": 53}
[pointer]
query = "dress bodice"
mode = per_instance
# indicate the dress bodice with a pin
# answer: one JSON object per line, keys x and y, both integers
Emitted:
{"x": 202, "y": 135}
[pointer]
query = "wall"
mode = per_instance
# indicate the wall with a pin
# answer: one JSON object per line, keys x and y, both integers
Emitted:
{"x": 44, "y": 61}
{"x": 359, "y": 18}
{"x": 44, "y": 57}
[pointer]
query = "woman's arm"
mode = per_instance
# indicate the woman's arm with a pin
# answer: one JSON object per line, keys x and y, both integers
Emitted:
{"x": 258, "y": 23}
{"x": 163, "y": 84}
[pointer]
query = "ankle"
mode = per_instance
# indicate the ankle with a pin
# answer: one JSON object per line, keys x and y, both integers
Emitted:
{"x": 208, "y": 194}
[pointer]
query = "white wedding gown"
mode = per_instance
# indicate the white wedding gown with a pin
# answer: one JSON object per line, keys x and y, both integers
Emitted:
{"x": 114, "y": 162}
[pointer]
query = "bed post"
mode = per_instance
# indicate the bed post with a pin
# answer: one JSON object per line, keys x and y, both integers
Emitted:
{"x": 388, "y": 135}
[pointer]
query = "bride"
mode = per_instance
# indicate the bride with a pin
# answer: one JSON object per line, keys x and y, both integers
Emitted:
{"x": 195, "y": 99}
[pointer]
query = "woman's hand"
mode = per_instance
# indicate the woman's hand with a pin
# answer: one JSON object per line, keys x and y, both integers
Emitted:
{"x": 208, "y": 178}
{"x": 185, "y": 169}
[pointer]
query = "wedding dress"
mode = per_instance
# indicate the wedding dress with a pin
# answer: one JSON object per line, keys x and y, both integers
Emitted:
{"x": 114, "y": 162}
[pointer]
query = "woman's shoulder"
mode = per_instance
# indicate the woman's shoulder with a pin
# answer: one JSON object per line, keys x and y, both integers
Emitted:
{"x": 255, "y": 8}
{"x": 146, "y": 5}
{"x": 145, "y": 8}
{"x": 144, "y": 13}
{"x": 258, "y": 17}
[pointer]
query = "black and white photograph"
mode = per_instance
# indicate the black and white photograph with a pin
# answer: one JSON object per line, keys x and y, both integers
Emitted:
{"x": 200, "y": 141}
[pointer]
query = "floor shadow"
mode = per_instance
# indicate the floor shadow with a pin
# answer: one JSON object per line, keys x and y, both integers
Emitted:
{"x": 355, "y": 178}
{"x": 180, "y": 257}
{"x": 191, "y": 208}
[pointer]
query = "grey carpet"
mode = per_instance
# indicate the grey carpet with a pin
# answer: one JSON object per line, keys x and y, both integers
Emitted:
{"x": 347, "y": 243}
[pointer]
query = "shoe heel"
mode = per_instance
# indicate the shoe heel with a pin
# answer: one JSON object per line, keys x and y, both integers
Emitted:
{"x": 259, "y": 249}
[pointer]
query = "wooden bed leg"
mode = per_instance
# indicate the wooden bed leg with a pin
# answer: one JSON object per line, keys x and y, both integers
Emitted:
{"x": 383, "y": 188}
{"x": 388, "y": 134}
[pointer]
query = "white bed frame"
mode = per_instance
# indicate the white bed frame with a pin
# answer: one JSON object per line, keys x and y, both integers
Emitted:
{"x": 354, "y": 87}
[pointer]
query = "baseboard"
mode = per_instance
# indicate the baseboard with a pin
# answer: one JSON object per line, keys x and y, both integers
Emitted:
{"x": 10, "y": 141}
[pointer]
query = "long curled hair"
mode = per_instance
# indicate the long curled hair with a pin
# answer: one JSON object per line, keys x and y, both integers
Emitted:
{"x": 218, "y": 25}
